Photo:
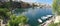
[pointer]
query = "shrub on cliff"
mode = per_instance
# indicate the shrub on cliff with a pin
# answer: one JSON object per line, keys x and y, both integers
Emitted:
{"x": 16, "y": 20}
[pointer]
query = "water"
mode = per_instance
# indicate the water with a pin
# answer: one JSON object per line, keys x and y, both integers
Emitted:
{"x": 34, "y": 13}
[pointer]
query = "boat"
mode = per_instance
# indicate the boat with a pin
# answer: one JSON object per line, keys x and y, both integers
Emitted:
{"x": 49, "y": 16}
{"x": 39, "y": 20}
{"x": 44, "y": 17}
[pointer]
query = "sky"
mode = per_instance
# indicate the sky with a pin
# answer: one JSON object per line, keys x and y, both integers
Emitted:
{"x": 39, "y": 1}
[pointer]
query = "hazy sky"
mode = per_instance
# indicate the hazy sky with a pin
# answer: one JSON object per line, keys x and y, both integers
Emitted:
{"x": 40, "y": 1}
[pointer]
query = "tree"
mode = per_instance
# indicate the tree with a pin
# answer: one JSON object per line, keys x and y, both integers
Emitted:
{"x": 56, "y": 7}
{"x": 16, "y": 20}
{"x": 56, "y": 11}
{"x": 4, "y": 13}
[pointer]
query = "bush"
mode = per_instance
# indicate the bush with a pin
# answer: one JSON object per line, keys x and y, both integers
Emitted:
{"x": 15, "y": 20}
{"x": 56, "y": 7}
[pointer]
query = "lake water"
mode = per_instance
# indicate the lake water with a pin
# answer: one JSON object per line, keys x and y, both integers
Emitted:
{"x": 33, "y": 14}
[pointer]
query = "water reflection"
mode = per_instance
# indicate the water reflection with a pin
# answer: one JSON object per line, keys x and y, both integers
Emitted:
{"x": 34, "y": 14}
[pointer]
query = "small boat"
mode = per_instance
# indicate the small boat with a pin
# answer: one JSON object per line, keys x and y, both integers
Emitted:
{"x": 39, "y": 20}
{"x": 49, "y": 16}
{"x": 38, "y": 7}
{"x": 44, "y": 17}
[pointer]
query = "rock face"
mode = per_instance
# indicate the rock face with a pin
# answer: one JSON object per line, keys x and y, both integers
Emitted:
{"x": 2, "y": 4}
{"x": 14, "y": 4}
{"x": 25, "y": 5}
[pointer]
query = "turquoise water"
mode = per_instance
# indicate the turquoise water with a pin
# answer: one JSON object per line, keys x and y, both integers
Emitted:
{"x": 33, "y": 14}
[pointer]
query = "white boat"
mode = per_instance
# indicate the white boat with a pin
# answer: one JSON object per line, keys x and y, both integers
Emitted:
{"x": 49, "y": 15}
{"x": 38, "y": 7}
{"x": 44, "y": 17}
{"x": 39, "y": 20}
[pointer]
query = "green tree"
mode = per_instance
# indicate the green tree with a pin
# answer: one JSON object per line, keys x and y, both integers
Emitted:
{"x": 16, "y": 20}
{"x": 4, "y": 14}
{"x": 56, "y": 11}
{"x": 56, "y": 7}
